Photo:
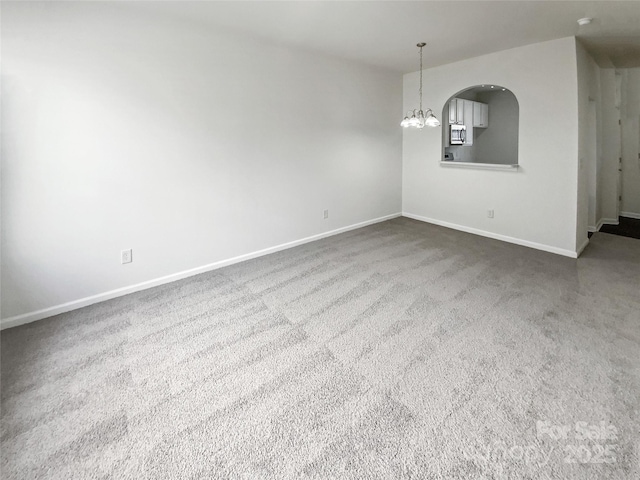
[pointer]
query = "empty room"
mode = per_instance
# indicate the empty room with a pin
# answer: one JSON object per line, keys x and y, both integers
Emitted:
{"x": 320, "y": 240}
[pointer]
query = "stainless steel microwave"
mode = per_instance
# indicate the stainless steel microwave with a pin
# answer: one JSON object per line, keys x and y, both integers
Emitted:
{"x": 458, "y": 134}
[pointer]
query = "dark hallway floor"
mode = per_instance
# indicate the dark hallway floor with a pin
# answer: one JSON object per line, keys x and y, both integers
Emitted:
{"x": 628, "y": 227}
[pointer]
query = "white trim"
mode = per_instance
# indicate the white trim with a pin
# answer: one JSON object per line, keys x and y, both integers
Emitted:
{"x": 496, "y": 236}
{"x": 582, "y": 247}
{"x": 605, "y": 221}
{"x": 101, "y": 297}
{"x": 596, "y": 228}
{"x": 630, "y": 215}
{"x": 482, "y": 166}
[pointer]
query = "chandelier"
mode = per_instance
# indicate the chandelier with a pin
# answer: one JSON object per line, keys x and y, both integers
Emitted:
{"x": 418, "y": 118}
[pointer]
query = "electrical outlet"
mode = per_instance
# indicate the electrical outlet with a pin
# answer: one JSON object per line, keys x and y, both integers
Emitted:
{"x": 490, "y": 213}
{"x": 326, "y": 214}
{"x": 126, "y": 256}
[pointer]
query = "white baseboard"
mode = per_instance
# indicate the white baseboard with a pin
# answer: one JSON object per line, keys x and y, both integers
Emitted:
{"x": 630, "y": 215}
{"x": 101, "y": 297}
{"x": 605, "y": 221}
{"x": 596, "y": 228}
{"x": 496, "y": 236}
{"x": 582, "y": 247}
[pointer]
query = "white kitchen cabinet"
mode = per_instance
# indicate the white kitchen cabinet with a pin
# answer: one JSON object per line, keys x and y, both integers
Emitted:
{"x": 485, "y": 115}
{"x": 480, "y": 115}
{"x": 460, "y": 111}
{"x": 456, "y": 111}
{"x": 468, "y": 114}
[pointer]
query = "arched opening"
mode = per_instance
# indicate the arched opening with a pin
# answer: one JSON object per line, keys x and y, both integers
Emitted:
{"x": 481, "y": 126}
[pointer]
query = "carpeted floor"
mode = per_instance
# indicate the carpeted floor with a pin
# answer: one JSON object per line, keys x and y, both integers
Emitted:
{"x": 400, "y": 350}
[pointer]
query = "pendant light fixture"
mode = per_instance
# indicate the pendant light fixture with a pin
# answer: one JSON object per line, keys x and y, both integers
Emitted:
{"x": 418, "y": 118}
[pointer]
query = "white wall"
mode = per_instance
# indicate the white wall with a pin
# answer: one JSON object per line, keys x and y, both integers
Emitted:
{"x": 191, "y": 146}
{"x": 610, "y": 146}
{"x": 536, "y": 205}
{"x": 499, "y": 142}
{"x": 589, "y": 144}
{"x": 630, "y": 113}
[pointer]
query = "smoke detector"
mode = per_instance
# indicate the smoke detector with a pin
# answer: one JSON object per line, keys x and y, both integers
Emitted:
{"x": 585, "y": 21}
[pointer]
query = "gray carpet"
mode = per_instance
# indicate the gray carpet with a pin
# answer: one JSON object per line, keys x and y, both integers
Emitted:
{"x": 400, "y": 350}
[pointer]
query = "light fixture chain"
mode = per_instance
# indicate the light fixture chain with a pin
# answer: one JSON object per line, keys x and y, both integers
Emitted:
{"x": 420, "y": 78}
{"x": 417, "y": 118}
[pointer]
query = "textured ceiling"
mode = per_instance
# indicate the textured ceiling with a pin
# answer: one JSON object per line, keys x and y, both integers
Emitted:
{"x": 384, "y": 33}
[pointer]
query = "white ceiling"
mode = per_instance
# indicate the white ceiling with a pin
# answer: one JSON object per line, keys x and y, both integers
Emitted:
{"x": 384, "y": 33}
